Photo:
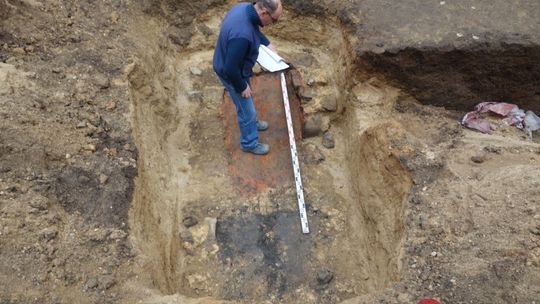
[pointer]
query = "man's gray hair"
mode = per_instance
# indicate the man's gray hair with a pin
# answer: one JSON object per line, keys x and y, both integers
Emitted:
{"x": 270, "y": 5}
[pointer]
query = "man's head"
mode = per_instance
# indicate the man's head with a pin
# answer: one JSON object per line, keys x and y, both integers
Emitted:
{"x": 269, "y": 11}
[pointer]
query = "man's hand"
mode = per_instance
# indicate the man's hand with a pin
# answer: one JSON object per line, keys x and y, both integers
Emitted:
{"x": 247, "y": 92}
{"x": 272, "y": 47}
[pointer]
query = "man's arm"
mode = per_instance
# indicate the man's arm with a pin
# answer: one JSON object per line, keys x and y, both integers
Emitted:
{"x": 264, "y": 41}
{"x": 236, "y": 50}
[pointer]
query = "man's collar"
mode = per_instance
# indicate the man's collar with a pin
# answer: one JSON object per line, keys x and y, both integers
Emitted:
{"x": 253, "y": 16}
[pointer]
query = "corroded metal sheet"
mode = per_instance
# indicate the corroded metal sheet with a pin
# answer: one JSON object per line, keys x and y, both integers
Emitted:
{"x": 253, "y": 173}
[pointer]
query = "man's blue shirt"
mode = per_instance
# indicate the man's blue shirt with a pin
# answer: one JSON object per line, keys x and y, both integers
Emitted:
{"x": 237, "y": 47}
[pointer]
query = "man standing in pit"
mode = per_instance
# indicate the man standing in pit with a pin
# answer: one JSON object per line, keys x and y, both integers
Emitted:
{"x": 236, "y": 53}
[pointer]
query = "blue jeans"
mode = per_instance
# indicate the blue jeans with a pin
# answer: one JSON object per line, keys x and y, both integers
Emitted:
{"x": 246, "y": 115}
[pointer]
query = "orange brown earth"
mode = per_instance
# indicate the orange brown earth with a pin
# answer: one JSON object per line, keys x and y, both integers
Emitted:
{"x": 119, "y": 182}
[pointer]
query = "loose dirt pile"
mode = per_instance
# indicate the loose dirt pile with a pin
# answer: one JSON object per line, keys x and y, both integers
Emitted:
{"x": 117, "y": 185}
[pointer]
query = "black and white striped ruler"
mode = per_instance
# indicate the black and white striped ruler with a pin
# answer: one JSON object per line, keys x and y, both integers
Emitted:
{"x": 294, "y": 156}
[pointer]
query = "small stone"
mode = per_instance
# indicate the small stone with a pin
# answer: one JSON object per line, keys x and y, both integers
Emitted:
{"x": 195, "y": 96}
{"x": 493, "y": 149}
{"x": 48, "y": 233}
{"x": 319, "y": 82}
{"x": 39, "y": 203}
{"x": 534, "y": 257}
{"x": 186, "y": 236}
{"x": 117, "y": 234}
{"x": 101, "y": 81}
{"x": 103, "y": 178}
{"x": 205, "y": 29}
{"x": 329, "y": 103}
{"x": 195, "y": 71}
{"x": 404, "y": 298}
{"x": 325, "y": 123}
{"x": 434, "y": 254}
{"x": 422, "y": 222}
{"x": 83, "y": 179}
{"x": 478, "y": 159}
{"x": 58, "y": 262}
{"x": 29, "y": 48}
{"x": 190, "y": 221}
{"x": 19, "y": 51}
{"x": 81, "y": 124}
{"x": 178, "y": 36}
{"x": 196, "y": 281}
{"x": 68, "y": 156}
{"x": 91, "y": 129}
{"x": 324, "y": 276}
{"x": 328, "y": 140}
{"x": 13, "y": 60}
{"x": 111, "y": 105}
{"x": 112, "y": 152}
{"x": 56, "y": 70}
{"x": 211, "y": 222}
{"x": 106, "y": 282}
{"x": 305, "y": 93}
{"x": 91, "y": 284}
{"x": 42, "y": 277}
{"x": 312, "y": 126}
{"x": 90, "y": 147}
{"x": 535, "y": 230}
{"x": 128, "y": 147}
{"x": 98, "y": 235}
{"x": 114, "y": 17}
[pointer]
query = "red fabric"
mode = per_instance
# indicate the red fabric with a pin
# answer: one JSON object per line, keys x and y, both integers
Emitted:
{"x": 428, "y": 301}
{"x": 514, "y": 116}
{"x": 501, "y": 108}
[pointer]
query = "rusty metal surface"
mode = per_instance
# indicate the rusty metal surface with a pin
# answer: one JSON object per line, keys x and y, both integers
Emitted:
{"x": 254, "y": 173}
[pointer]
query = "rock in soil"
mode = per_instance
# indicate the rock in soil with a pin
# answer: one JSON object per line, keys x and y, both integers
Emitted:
{"x": 190, "y": 221}
{"x": 324, "y": 276}
{"x": 312, "y": 126}
{"x": 328, "y": 140}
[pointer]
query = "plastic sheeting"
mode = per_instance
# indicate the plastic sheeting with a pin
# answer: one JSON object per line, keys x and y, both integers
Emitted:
{"x": 514, "y": 116}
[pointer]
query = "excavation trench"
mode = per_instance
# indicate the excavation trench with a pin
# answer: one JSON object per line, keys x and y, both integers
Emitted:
{"x": 198, "y": 230}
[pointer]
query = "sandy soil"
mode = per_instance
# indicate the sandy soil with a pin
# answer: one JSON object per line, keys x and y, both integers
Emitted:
{"x": 115, "y": 187}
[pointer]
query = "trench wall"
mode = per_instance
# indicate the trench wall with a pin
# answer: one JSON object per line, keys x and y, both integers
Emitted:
{"x": 156, "y": 115}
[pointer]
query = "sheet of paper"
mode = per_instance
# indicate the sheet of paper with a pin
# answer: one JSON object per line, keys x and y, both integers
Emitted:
{"x": 270, "y": 61}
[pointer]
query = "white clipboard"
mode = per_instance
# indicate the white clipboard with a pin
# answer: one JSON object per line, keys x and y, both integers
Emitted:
{"x": 270, "y": 61}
